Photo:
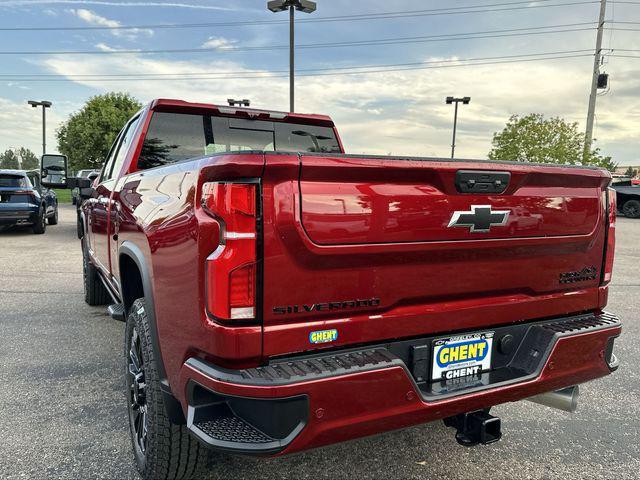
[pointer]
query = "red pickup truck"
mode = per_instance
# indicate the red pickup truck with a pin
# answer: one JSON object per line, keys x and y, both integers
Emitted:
{"x": 281, "y": 295}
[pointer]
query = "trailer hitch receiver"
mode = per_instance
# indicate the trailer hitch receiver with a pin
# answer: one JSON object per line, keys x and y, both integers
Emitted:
{"x": 475, "y": 428}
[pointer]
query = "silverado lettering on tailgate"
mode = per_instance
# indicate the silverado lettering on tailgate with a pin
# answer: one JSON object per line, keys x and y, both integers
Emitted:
{"x": 326, "y": 306}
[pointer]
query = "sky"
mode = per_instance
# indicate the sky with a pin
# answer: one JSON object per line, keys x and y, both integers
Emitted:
{"x": 399, "y": 110}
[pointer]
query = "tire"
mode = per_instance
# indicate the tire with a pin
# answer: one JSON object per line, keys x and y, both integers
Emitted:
{"x": 79, "y": 228}
{"x": 631, "y": 208}
{"x": 40, "y": 226}
{"x": 53, "y": 219}
{"x": 95, "y": 293}
{"x": 162, "y": 450}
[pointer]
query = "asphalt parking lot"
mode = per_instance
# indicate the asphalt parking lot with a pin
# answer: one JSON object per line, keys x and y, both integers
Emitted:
{"x": 63, "y": 413}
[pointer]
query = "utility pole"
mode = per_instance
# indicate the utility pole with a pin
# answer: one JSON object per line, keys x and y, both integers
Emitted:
{"x": 456, "y": 101}
{"x": 588, "y": 138}
{"x": 306, "y": 6}
{"x": 44, "y": 104}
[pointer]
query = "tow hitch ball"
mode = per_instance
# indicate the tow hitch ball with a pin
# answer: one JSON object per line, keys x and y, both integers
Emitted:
{"x": 475, "y": 427}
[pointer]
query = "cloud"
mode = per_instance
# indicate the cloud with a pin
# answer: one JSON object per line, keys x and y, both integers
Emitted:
{"x": 220, "y": 43}
{"x": 402, "y": 113}
{"x": 18, "y": 85}
{"x": 103, "y": 47}
{"x": 27, "y": 3}
{"x": 93, "y": 18}
{"x": 21, "y": 125}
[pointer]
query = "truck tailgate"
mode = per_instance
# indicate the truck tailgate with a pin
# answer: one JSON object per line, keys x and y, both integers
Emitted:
{"x": 385, "y": 248}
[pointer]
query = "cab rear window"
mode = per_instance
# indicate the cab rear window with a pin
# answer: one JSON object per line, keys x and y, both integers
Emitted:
{"x": 174, "y": 137}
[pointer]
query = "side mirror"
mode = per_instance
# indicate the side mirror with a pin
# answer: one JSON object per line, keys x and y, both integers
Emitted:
{"x": 53, "y": 171}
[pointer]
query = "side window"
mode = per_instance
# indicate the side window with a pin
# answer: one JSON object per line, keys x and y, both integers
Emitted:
{"x": 121, "y": 150}
{"x": 35, "y": 180}
{"x": 108, "y": 164}
{"x": 31, "y": 180}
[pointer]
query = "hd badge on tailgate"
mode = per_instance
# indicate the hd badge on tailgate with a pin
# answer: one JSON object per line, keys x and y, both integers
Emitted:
{"x": 461, "y": 356}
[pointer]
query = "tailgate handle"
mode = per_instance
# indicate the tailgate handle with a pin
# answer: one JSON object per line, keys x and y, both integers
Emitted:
{"x": 478, "y": 181}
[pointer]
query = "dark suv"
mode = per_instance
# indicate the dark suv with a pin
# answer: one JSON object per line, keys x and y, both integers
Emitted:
{"x": 24, "y": 201}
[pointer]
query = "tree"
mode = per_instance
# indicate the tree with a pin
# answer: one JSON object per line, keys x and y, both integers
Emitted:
{"x": 533, "y": 138}
{"x": 86, "y": 137}
{"x": 9, "y": 160}
{"x": 631, "y": 172}
{"x": 29, "y": 159}
{"x": 19, "y": 158}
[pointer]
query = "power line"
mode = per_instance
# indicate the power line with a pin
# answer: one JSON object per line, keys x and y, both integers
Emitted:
{"x": 407, "y": 40}
{"x": 359, "y": 43}
{"x": 351, "y": 67}
{"x": 482, "y": 8}
{"x": 358, "y": 70}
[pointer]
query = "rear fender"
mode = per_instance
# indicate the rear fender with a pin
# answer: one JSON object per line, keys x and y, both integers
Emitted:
{"x": 129, "y": 249}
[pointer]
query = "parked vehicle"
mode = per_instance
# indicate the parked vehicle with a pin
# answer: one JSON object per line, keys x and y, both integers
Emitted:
{"x": 628, "y": 196}
{"x": 281, "y": 295}
{"x": 78, "y": 197}
{"x": 24, "y": 201}
{"x": 91, "y": 175}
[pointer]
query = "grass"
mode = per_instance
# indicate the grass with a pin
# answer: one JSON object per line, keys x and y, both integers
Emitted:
{"x": 64, "y": 196}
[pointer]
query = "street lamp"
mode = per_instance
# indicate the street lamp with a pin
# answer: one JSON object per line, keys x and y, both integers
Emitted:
{"x": 305, "y": 6}
{"x": 44, "y": 104}
{"x": 450, "y": 100}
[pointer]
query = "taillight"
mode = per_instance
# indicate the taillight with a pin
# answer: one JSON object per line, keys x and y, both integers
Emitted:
{"x": 231, "y": 268}
{"x": 611, "y": 237}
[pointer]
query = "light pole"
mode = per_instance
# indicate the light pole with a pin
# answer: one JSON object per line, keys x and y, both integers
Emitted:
{"x": 44, "y": 104}
{"x": 305, "y": 6}
{"x": 450, "y": 100}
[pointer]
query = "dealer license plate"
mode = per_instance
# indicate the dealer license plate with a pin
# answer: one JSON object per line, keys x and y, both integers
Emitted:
{"x": 461, "y": 356}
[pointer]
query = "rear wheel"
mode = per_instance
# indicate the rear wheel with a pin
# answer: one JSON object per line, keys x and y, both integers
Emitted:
{"x": 631, "y": 208}
{"x": 162, "y": 449}
{"x": 95, "y": 293}
{"x": 40, "y": 225}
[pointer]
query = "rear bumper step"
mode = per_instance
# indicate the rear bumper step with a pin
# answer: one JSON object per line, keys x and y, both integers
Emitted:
{"x": 303, "y": 402}
{"x": 244, "y": 425}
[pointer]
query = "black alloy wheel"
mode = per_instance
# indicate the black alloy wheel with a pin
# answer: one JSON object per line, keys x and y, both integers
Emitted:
{"x": 137, "y": 393}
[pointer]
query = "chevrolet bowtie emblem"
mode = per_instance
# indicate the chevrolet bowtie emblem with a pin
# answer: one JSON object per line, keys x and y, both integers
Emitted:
{"x": 480, "y": 219}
